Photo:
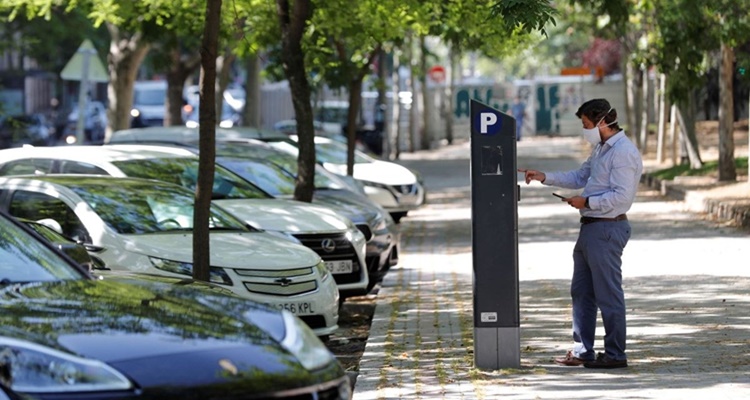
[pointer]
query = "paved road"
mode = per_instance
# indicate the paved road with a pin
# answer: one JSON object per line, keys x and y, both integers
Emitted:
{"x": 687, "y": 283}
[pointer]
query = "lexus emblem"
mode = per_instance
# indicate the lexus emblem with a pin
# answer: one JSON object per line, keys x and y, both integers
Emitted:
{"x": 328, "y": 245}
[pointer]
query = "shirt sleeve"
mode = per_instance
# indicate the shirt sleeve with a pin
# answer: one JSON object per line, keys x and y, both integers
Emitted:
{"x": 574, "y": 179}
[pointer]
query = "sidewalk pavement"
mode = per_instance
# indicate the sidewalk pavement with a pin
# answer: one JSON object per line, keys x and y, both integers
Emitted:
{"x": 686, "y": 281}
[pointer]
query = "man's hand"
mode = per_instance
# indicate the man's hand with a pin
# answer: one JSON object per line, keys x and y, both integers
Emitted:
{"x": 533, "y": 175}
{"x": 577, "y": 202}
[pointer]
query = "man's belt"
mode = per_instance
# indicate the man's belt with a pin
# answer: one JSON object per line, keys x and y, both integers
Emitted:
{"x": 590, "y": 220}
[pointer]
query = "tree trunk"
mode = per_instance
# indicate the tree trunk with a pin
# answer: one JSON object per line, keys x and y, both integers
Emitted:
{"x": 727, "y": 170}
{"x": 207, "y": 145}
{"x": 381, "y": 107}
{"x": 450, "y": 89}
{"x": 355, "y": 103}
{"x": 673, "y": 133}
{"x": 637, "y": 105}
{"x": 412, "y": 85}
{"x": 180, "y": 69}
{"x": 686, "y": 119}
{"x": 426, "y": 103}
{"x": 629, "y": 98}
{"x": 662, "y": 118}
{"x": 126, "y": 53}
{"x": 293, "y": 20}
{"x": 644, "y": 110}
{"x": 394, "y": 141}
{"x": 251, "y": 113}
{"x": 224, "y": 66}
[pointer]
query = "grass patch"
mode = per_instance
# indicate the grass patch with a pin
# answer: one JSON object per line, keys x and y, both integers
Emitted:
{"x": 708, "y": 168}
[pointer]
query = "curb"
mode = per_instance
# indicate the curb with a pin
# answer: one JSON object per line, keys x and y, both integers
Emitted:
{"x": 734, "y": 210}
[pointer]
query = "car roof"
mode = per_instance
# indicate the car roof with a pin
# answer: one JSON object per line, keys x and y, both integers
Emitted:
{"x": 183, "y": 134}
{"x": 95, "y": 154}
{"x": 64, "y": 180}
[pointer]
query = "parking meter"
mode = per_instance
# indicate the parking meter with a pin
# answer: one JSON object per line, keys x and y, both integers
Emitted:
{"x": 494, "y": 238}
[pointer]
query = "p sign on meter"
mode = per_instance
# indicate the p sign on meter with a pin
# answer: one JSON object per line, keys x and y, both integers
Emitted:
{"x": 494, "y": 238}
{"x": 489, "y": 122}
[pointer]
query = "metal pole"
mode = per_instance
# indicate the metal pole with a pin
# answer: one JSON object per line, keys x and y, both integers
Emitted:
{"x": 82, "y": 94}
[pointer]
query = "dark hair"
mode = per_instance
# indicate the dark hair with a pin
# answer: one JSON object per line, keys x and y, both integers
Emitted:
{"x": 597, "y": 109}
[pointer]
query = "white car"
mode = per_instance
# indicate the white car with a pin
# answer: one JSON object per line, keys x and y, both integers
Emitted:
{"x": 145, "y": 226}
{"x": 394, "y": 187}
{"x": 335, "y": 238}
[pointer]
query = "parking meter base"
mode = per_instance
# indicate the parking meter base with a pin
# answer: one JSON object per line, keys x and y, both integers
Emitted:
{"x": 497, "y": 348}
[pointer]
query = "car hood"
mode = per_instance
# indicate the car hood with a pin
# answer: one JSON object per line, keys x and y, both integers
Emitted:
{"x": 347, "y": 204}
{"x": 249, "y": 250}
{"x": 285, "y": 215}
{"x": 384, "y": 172}
{"x": 131, "y": 326}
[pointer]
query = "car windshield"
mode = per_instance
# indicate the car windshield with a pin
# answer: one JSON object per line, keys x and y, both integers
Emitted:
{"x": 148, "y": 207}
{"x": 280, "y": 160}
{"x": 336, "y": 153}
{"x": 27, "y": 259}
{"x": 184, "y": 172}
{"x": 270, "y": 178}
{"x": 150, "y": 97}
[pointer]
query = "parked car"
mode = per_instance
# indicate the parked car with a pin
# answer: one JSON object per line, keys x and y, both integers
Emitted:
{"x": 335, "y": 238}
{"x": 149, "y": 103}
{"x": 256, "y": 163}
{"x": 380, "y": 230}
{"x": 94, "y": 124}
{"x": 19, "y": 130}
{"x": 395, "y": 187}
{"x": 145, "y": 226}
{"x": 65, "y": 336}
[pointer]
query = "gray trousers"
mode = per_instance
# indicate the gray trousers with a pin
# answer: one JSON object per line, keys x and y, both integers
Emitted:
{"x": 597, "y": 284}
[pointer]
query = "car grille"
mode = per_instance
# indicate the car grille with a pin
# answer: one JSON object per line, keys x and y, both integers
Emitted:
{"x": 279, "y": 282}
{"x": 279, "y": 289}
{"x": 343, "y": 250}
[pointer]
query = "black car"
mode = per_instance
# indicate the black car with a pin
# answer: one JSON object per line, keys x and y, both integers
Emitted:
{"x": 18, "y": 130}
{"x": 65, "y": 335}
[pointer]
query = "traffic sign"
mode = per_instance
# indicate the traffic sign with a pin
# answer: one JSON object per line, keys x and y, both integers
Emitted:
{"x": 86, "y": 54}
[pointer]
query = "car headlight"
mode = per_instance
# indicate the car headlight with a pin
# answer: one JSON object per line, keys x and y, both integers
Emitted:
{"x": 323, "y": 271}
{"x": 285, "y": 235}
{"x": 30, "y": 368}
{"x": 135, "y": 113}
{"x": 217, "y": 275}
{"x": 301, "y": 342}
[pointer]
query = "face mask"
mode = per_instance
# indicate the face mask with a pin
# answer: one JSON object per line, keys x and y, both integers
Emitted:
{"x": 592, "y": 135}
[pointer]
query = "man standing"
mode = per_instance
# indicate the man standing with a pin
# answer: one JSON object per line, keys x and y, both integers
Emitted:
{"x": 519, "y": 113}
{"x": 609, "y": 178}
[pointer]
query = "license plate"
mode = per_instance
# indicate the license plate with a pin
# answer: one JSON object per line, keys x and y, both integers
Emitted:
{"x": 340, "y": 267}
{"x": 297, "y": 308}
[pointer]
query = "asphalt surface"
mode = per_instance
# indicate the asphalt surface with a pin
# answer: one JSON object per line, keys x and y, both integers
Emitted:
{"x": 686, "y": 281}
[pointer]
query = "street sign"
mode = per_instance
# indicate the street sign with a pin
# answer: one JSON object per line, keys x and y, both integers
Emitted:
{"x": 86, "y": 67}
{"x": 73, "y": 70}
{"x": 437, "y": 73}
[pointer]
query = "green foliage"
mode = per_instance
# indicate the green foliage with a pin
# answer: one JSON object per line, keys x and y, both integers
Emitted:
{"x": 51, "y": 43}
{"x": 708, "y": 168}
{"x": 526, "y": 15}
